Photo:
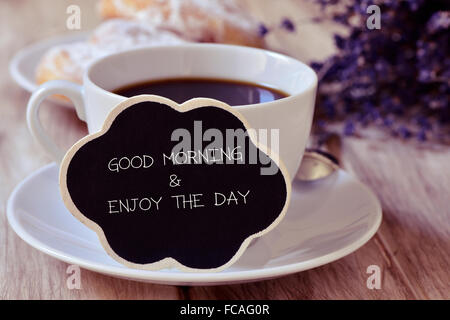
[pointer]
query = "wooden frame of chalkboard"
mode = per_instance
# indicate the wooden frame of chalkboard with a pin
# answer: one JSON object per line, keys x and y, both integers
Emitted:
{"x": 69, "y": 177}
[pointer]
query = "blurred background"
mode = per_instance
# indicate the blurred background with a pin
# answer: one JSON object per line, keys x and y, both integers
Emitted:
{"x": 383, "y": 91}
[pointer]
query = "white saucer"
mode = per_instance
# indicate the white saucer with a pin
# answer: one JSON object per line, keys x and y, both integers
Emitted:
{"x": 326, "y": 220}
{"x": 22, "y": 66}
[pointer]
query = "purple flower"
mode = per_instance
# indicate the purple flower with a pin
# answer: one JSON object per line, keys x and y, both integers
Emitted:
{"x": 287, "y": 24}
{"x": 262, "y": 29}
{"x": 387, "y": 122}
{"x": 389, "y": 76}
{"x": 316, "y": 65}
{"x": 438, "y": 22}
{"x": 349, "y": 128}
{"x": 339, "y": 41}
{"x": 422, "y": 136}
{"x": 404, "y": 132}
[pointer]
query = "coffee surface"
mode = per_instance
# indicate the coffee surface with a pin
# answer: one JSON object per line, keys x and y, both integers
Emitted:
{"x": 234, "y": 93}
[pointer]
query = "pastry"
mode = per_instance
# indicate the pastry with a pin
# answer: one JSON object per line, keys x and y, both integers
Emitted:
{"x": 221, "y": 21}
{"x": 68, "y": 61}
{"x": 147, "y": 23}
{"x": 64, "y": 62}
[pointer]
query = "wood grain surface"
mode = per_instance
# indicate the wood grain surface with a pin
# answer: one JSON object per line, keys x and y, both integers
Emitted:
{"x": 412, "y": 246}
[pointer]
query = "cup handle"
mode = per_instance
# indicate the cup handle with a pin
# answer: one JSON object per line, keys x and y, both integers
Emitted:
{"x": 61, "y": 87}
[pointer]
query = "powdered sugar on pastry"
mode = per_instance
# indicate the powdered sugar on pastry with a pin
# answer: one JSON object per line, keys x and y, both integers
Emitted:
{"x": 118, "y": 34}
{"x": 65, "y": 62}
{"x": 69, "y": 61}
{"x": 192, "y": 16}
{"x": 197, "y": 20}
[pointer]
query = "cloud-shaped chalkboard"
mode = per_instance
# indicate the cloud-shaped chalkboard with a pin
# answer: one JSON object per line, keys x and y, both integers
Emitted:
{"x": 156, "y": 205}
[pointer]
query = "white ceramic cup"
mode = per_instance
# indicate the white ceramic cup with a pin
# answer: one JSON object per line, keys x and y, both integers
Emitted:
{"x": 94, "y": 99}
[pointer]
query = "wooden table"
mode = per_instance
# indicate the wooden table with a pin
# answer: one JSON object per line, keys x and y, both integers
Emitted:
{"x": 412, "y": 246}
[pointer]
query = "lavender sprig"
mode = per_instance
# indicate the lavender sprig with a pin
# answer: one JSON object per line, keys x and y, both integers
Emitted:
{"x": 396, "y": 78}
{"x": 397, "y": 74}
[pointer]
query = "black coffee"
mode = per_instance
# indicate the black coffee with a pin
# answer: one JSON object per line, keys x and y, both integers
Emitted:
{"x": 234, "y": 93}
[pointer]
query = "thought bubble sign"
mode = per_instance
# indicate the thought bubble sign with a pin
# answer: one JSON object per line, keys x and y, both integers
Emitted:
{"x": 166, "y": 185}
